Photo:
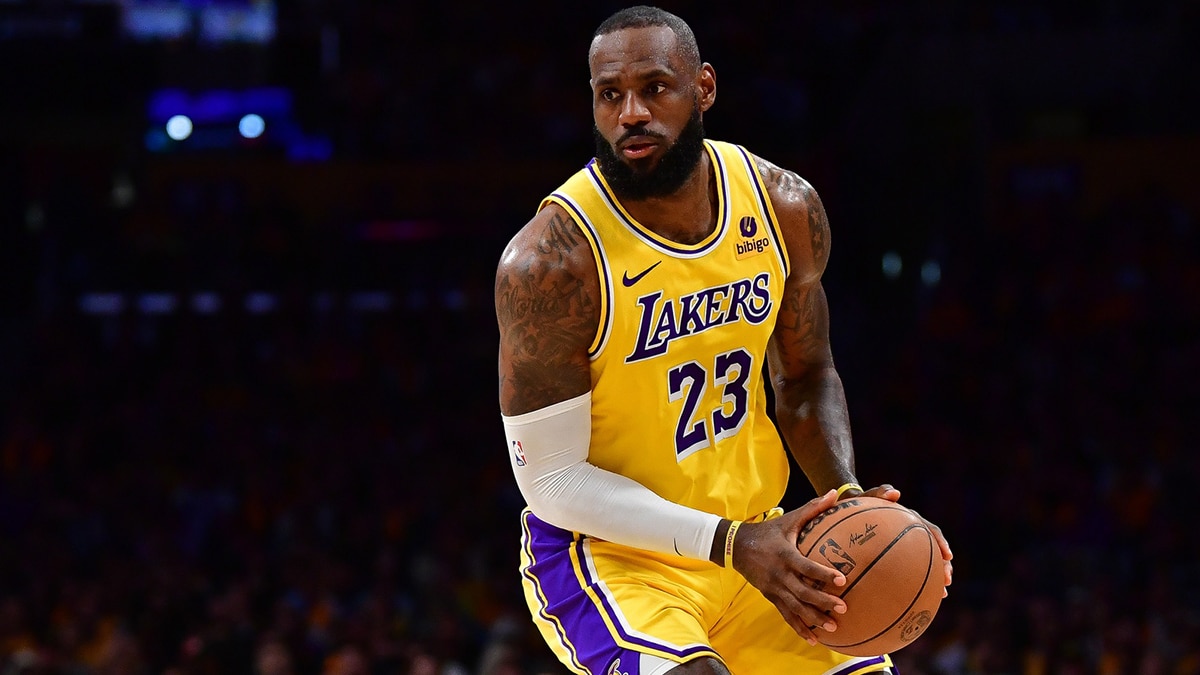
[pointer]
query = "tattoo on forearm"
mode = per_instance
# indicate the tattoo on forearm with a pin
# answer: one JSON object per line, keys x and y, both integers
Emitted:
{"x": 805, "y": 317}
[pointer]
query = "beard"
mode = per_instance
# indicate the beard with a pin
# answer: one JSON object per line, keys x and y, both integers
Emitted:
{"x": 633, "y": 182}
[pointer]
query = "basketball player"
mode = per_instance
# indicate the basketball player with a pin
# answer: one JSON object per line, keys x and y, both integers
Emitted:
{"x": 636, "y": 311}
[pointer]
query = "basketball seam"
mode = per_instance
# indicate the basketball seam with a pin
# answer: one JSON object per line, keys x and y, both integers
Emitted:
{"x": 916, "y": 596}
{"x": 837, "y": 522}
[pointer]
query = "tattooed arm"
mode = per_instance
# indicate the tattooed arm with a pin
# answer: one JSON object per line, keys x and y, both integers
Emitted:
{"x": 547, "y": 306}
{"x": 811, "y": 410}
{"x": 548, "y": 310}
{"x": 810, "y": 401}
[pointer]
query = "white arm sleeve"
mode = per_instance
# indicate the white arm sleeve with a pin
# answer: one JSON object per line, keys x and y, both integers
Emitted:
{"x": 548, "y": 449}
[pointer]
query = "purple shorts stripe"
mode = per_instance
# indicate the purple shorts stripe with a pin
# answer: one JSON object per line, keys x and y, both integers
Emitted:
{"x": 543, "y": 602}
{"x": 582, "y": 627}
{"x": 614, "y": 616}
{"x": 857, "y": 666}
{"x": 567, "y": 603}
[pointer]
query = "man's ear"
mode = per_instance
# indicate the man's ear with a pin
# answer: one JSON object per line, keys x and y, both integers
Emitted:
{"x": 706, "y": 83}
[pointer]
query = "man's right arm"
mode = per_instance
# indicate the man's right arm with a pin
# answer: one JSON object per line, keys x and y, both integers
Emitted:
{"x": 547, "y": 307}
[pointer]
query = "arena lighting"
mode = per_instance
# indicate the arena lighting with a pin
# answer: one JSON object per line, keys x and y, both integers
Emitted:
{"x": 157, "y": 303}
{"x": 370, "y": 301}
{"x": 454, "y": 299}
{"x": 251, "y": 126}
{"x": 218, "y": 106}
{"x": 323, "y": 302}
{"x": 892, "y": 265}
{"x": 211, "y": 22}
{"x": 102, "y": 304}
{"x": 222, "y": 118}
{"x": 179, "y": 127}
{"x": 206, "y": 302}
{"x": 123, "y": 191}
{"x": 211, "y": 303}
{"x": 931, "y": 272}
{"x": 261, "y": 302}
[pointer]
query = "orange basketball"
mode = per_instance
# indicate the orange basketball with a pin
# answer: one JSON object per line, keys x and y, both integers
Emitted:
{"x": 893, "y": 570}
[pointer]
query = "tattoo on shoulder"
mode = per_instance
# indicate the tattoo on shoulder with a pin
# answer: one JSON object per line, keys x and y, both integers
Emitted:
{"x": 561, "y": 236}
{"x": 542, "y": 284}
{"x": 818, "y": 227}
{"x": 788, "y": 188}
{"x": 547, "y": 316}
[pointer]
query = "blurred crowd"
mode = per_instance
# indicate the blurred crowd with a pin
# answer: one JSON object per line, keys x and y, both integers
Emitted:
{"x": 325, "y": 491}
{"x": 320, "y": 488}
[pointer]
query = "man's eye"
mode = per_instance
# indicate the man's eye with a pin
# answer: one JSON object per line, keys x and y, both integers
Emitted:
{"x": 609, "y": 94}
{"x": 658, "y": 88}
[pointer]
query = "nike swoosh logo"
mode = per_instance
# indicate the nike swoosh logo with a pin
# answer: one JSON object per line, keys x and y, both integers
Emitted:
{"x": 629, "y": 281}
{"x": 673, "y": 542}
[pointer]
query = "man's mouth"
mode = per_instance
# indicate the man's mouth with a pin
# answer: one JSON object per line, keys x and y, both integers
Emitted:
{"x": 637, "y": 146}
{"x": 638, "y": 150}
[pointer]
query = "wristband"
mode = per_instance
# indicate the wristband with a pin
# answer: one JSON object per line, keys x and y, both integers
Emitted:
{"x": 733, "y": 528}
{"x": 848, "y": 487}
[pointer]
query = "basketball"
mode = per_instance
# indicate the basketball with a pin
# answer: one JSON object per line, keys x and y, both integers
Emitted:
{"x": 893, "y": 569}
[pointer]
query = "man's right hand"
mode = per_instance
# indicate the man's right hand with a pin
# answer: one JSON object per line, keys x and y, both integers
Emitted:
{"x": 766, "y": 554}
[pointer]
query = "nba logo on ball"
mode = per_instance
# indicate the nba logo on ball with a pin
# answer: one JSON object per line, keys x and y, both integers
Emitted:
{"x": 518, "y": 453}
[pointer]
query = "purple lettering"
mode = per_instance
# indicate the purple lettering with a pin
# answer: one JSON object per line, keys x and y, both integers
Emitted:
{"x": 741, "y": 291}
{"x": 662, "y": 322}
{"x": 713, "y": 296}
{"x": 643, "y": 349}
{"x": 760, "y": 308}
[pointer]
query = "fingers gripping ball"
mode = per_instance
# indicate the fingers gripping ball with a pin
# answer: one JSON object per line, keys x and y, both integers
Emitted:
{"x": 893, "y": 571}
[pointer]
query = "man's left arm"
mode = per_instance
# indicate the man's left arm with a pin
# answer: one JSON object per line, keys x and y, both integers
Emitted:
{"x": 810, "y": 399}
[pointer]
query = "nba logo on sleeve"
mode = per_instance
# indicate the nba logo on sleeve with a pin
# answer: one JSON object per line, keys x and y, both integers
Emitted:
{"x": 518, "y": 453}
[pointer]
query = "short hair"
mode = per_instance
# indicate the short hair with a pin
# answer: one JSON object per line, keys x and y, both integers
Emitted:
{"x": 644, "y": 16}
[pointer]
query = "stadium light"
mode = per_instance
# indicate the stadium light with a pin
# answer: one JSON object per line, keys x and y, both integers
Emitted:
{"x": 179, "y": 127}
{"x": 931, "y": 272}
{"x": 892, "y": 265}
{"x": 251, "y": 126}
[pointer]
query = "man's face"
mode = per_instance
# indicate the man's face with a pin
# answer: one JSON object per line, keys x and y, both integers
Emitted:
{"x": 647, "y": 105}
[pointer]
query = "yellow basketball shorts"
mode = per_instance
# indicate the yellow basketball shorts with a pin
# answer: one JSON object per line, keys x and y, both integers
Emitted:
{"x": 605, "y": 609}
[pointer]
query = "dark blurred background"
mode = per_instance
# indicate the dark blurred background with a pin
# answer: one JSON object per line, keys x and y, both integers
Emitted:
{"x": 248, "y": 420}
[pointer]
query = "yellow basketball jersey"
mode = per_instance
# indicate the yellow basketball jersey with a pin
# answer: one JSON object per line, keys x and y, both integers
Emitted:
{"x": 678, "y": 400}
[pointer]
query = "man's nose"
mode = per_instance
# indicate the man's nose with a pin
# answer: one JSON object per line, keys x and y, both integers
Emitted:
{"x": 634, "y": 111}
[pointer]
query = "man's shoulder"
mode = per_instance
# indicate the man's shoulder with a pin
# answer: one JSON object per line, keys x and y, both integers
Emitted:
{"x": 800, "y": 214}
{"x": 787, "y": 188}
{"x": 550, "y": 239}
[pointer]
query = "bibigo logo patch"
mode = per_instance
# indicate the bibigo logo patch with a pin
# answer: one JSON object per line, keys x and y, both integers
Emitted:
{"x": 751, "y": 244}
